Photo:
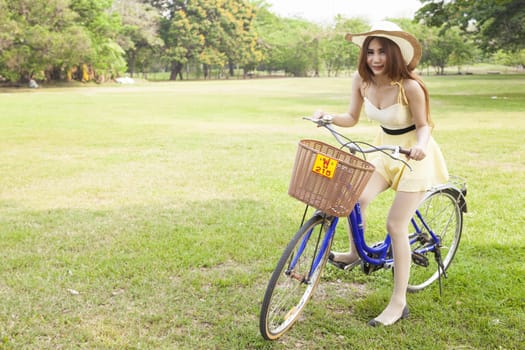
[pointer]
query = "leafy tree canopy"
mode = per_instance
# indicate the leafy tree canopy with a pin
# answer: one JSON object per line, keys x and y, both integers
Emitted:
{"x": 496, "y": 24}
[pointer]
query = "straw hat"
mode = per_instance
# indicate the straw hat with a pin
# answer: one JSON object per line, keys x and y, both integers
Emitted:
{"x": 410, "y": 48}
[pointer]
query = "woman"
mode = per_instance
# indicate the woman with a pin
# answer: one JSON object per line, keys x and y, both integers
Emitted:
{"x": 396, "y": 98}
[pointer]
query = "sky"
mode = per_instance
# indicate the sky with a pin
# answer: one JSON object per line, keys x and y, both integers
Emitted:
{"x": 323, "y": 11}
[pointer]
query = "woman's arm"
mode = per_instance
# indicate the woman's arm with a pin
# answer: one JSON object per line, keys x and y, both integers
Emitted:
{"x": 417, "y": 105}
{"x": 351, "y": 117}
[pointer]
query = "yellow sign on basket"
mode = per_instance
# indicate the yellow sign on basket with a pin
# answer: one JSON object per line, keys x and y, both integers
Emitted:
{"x": 325, "y": 166}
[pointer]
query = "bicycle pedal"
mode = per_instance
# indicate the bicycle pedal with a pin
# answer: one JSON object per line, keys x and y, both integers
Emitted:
{"x": 420, "y": 259}
{"x": 369, "y": 268}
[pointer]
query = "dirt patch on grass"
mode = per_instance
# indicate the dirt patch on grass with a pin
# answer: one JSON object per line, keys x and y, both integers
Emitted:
{"x": 327, "y": 290}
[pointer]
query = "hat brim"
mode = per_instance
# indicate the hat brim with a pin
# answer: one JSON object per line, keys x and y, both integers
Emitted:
{"x": 409, "y": 45}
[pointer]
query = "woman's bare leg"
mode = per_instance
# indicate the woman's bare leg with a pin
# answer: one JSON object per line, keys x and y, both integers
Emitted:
{"x": 402, "y": 210}
{"x": 376, "y": 185}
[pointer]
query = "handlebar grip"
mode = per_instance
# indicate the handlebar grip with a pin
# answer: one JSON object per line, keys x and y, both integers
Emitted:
{"x": 404, "y": 151}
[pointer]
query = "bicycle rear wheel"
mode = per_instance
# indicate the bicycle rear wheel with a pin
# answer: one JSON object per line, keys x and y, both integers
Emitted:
{"x": 443, "y": 214}
{"x": 295, "y": 278}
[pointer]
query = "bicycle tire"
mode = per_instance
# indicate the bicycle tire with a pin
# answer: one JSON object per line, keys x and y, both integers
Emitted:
{"x": 443, "y": 212}
{"x": 286, "y": 295}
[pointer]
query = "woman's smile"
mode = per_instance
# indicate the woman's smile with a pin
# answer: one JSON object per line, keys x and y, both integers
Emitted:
{"x": 378, "y": 68}
{"x": 376, "y": 57}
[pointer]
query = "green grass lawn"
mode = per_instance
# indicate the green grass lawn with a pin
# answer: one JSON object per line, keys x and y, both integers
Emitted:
{"x": 151, "y": 217}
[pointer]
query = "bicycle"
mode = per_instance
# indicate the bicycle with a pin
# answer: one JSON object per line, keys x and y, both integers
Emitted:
{"x": 331, "y": 180}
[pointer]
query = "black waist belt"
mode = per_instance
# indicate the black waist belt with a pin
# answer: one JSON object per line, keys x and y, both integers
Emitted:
{"x": 398, "y": 131}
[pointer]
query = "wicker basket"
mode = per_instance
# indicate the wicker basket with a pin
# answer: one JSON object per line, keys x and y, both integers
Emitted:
{"x": 327, "y": 178}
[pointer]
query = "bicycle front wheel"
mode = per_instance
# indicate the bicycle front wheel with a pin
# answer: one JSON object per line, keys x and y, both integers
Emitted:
{"x": 442, "y": 213}
{"x": 295, "y": 278}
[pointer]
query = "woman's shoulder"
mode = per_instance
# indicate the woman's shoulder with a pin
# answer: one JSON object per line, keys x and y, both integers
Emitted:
{"x": 358, "y": 82}
{"x": 412, "y": 86}
{"x": 359, "y": 85}
{"x": 356, "y": 78}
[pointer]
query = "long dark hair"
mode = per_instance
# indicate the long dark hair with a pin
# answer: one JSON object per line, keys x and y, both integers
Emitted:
{"x": 395, "y": 68}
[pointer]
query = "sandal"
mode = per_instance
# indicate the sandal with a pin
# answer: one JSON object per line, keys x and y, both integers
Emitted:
{"x": 342, "y": 265}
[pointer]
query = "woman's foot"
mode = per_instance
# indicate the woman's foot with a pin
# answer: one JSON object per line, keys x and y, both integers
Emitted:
{"x": 386, "y": 318}
{"x": 344, "y": 261}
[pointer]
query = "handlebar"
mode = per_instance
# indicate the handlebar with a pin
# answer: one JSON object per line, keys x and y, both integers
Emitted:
{"x": 353, "y": 147}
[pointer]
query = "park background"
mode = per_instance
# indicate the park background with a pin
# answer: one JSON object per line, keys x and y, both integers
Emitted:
{"x": 151, "y": 215}
{"x": 101, "y": 40}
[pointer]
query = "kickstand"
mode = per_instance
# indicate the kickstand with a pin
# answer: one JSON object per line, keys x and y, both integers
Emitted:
{"x": 441, "y": 269}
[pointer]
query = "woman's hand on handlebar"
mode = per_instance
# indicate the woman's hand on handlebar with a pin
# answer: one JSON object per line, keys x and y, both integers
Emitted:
{"x": 417, "y": 153}
{"x": 322, "y": 118}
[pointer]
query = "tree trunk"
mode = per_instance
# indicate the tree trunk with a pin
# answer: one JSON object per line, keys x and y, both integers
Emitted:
{"x": 54, "y": 74}
{"x": 232, "y": 68}
{"x": 132, "y": 60}
{"x": 176, "y": 69}
{"x": 206, "y": 69}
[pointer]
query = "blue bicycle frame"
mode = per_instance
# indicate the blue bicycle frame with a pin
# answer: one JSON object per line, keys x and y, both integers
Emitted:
{"x": 376, "y": 255}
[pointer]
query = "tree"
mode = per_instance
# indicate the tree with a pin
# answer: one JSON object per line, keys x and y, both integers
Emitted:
{"x": 516, "y": 59}
{"x": 289, "y": 44}
{"x": 139, "y": 36}
{"x": 182, "y": 37}
{"x": 300, "y": 50}
{"x": 241, "y": 40}
{"x": 442, "y": 47}
{"x": 43, "y": 38}
{"x": 496, "y": 24}
{"x": 7, "y": 26}
{"x": 213, "y": 32}
{"x": 337, "y": 53}
{"x": 266, "y": 24}
{"x": 103, "y": 26}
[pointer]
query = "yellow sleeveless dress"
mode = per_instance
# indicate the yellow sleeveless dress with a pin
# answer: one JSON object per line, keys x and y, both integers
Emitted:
{"x": 430, "y": 171}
